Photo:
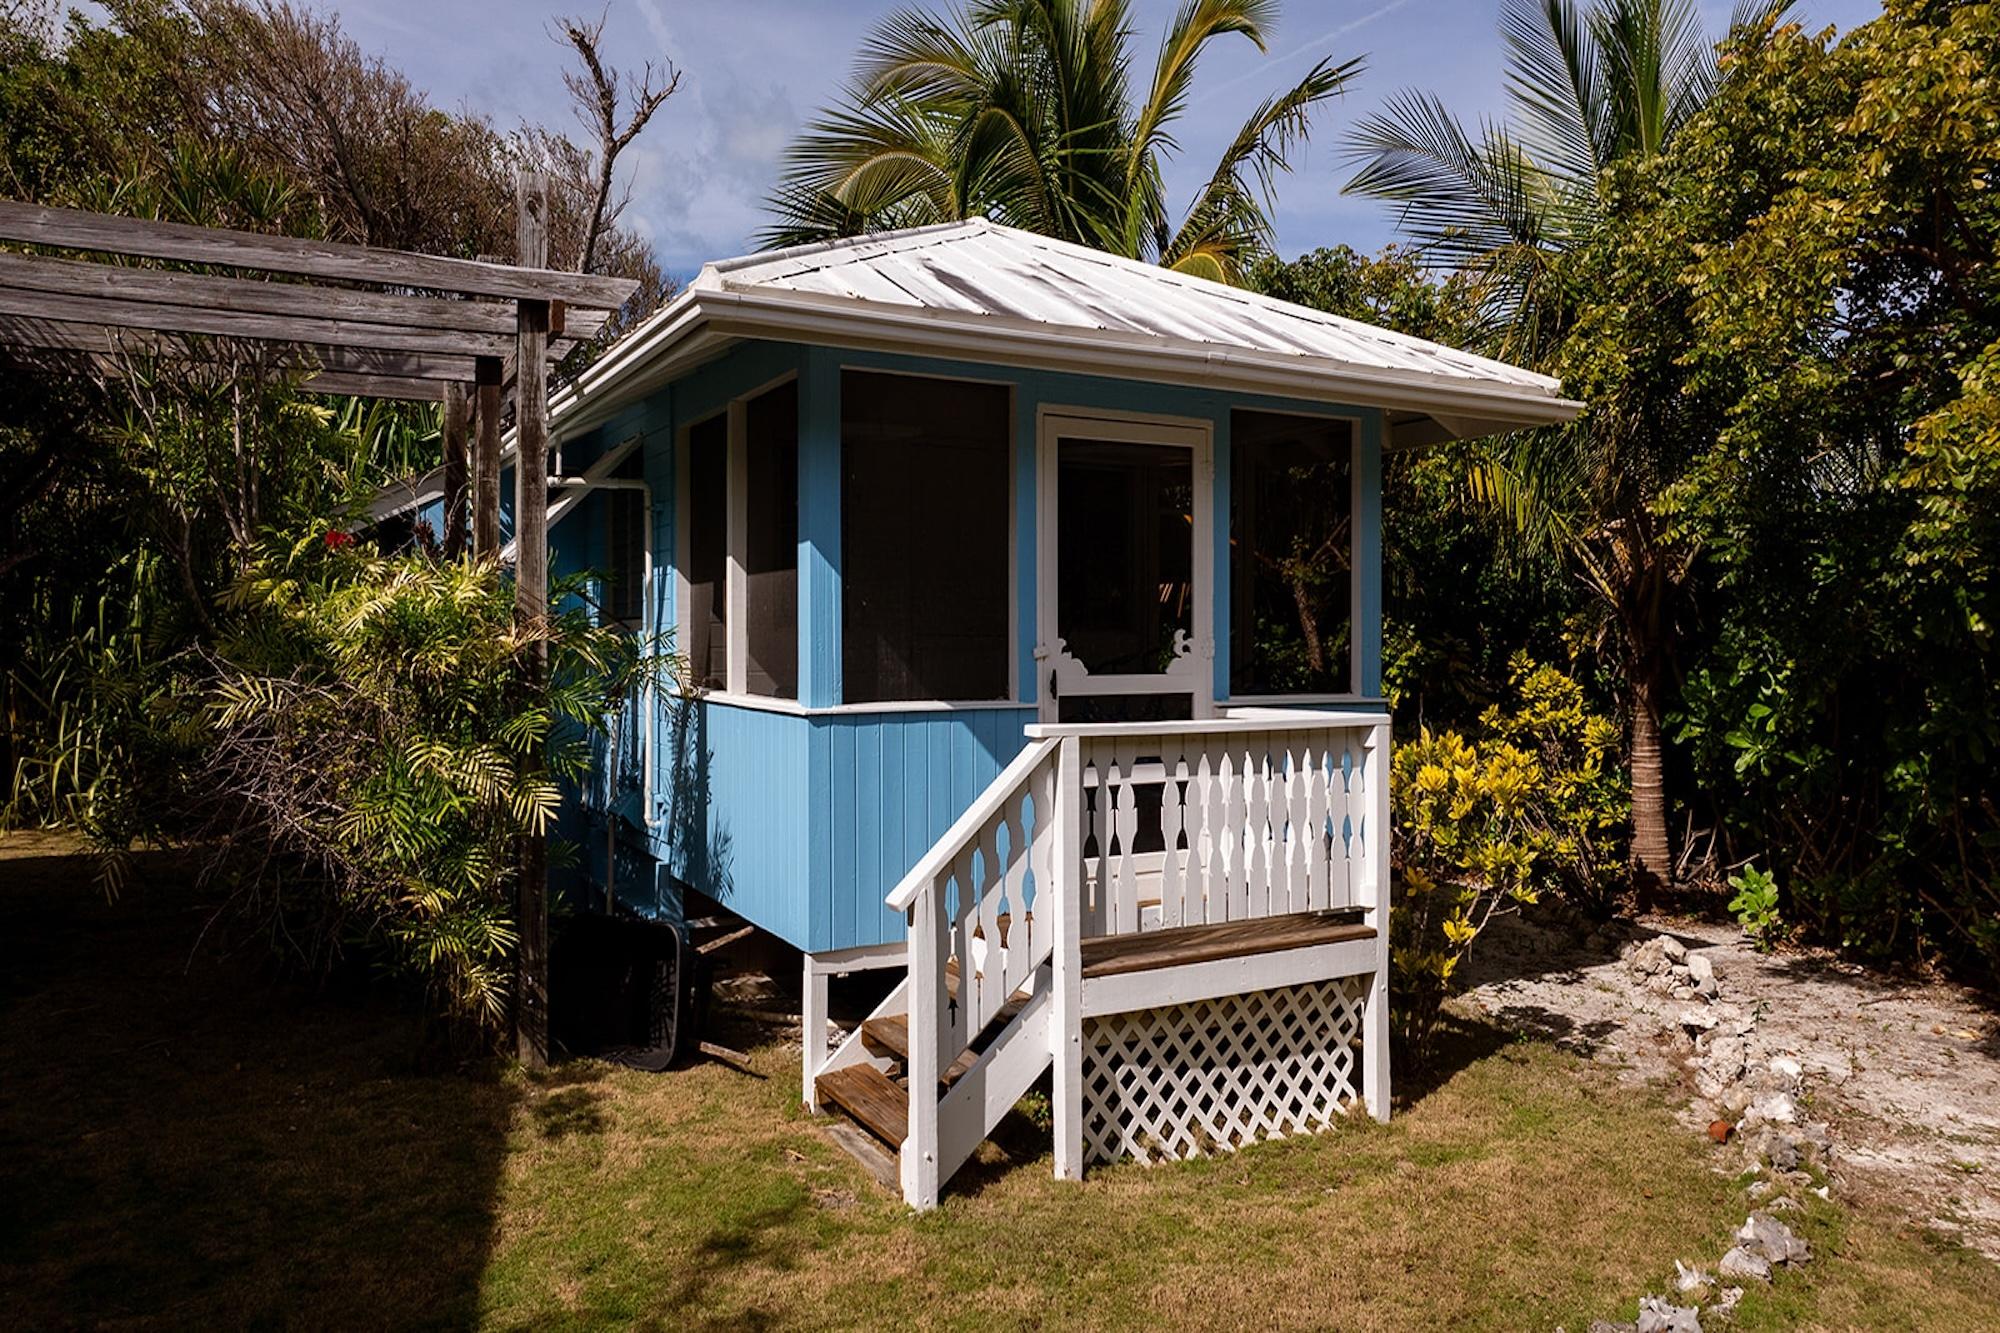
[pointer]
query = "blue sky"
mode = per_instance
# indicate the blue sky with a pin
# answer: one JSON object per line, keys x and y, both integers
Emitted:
{"x": 755, "y": 70}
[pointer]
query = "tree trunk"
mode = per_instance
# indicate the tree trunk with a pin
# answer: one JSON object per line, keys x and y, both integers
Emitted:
{"x": 1308, "y": 623}
{"x": 1652, "y": 859}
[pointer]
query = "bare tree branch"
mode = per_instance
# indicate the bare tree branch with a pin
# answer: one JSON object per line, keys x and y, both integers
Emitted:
{"x": 595, "y": 90}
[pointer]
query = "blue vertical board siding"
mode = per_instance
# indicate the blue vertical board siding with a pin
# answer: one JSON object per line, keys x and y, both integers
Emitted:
{"x": 735, "y": 822}
{"x": 889, "y": 785}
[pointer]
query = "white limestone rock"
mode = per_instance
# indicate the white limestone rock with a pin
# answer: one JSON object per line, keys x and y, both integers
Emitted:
{"x": 1739, "y": 1262}
{"x": 1658, "y": 1315}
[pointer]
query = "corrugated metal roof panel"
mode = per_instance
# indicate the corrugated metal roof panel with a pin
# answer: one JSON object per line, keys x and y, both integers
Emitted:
{"x": 981, "y": 268}
{"x": 980, "y": 290}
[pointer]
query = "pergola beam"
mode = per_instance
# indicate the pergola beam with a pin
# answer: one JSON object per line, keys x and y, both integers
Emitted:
{"x": 375, "y": 386}
{"x": 248, "y": 325}
{"x": 73, "y": 229}
{"x": 203, "y": 291}
{"x": 57, "y": 335}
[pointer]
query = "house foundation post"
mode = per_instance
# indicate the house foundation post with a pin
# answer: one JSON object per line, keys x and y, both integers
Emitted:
{"x": 812, "y": 1029}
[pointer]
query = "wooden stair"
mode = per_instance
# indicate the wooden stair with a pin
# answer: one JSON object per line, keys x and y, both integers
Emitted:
{"x": 879, "y": 1101}
{"x": 871, "y": 1099}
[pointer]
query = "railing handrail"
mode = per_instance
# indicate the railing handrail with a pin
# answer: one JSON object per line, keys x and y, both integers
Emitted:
{"x": 1242, "y": 723}
{"x": 968, "y": 825}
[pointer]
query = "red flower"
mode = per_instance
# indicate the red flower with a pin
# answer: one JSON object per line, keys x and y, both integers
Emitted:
{"x": 337, "y": 540}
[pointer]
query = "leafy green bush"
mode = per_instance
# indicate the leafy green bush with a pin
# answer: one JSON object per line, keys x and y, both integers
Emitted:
{"x": 370, "y": 726}
{"x": 1578, "y": 818}
{"x": 1486, "y": 826}
{"x": 1463, "y": 854}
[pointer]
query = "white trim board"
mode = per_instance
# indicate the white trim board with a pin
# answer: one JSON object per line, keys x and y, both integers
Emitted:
{"x": 1127, "y": 991}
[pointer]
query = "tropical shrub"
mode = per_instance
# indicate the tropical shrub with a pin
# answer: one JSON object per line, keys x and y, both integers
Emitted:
{"x": 1822, "y": 243}
{"x": 1485, "y": 826}
{"x": 373, "y": 753}
{"x": 1756, "y": 904}
{"x": 1464, "y": 853}
{"x": 1580, "y": 814}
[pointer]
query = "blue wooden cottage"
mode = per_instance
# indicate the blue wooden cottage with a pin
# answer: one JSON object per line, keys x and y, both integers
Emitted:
{"x": 1032, "y": 601}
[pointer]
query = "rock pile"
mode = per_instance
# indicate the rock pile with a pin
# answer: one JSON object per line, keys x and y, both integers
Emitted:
{"x": 1754, "y": 1097}
{"x": 1663, "y": 964}
{"x": 1762, "y": 1244}
{"x": 1754, "y": 1094}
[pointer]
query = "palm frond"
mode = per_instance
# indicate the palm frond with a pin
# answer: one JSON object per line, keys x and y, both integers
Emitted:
{"x": 1461, "y": 199}
{"x": 1554, "y": 77}
{"x": 1227, "y": 204}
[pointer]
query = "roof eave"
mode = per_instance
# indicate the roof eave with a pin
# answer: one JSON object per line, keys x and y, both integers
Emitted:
{"x": 716, "y": 315}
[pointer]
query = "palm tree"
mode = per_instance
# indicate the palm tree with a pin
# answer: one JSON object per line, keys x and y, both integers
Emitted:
{"x": 1594, "y": 84}
{"x": 1022, "y": 111}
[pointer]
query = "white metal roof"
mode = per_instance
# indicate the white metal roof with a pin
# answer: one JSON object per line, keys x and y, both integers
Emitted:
{"x": 979, "y": 291}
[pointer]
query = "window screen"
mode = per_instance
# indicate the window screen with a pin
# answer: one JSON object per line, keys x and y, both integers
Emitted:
{"x": 625, "y": 519}
{"x": 1291, "y": 496}
{"x": 924, "y": 527}
{"x": 707, "y": 520}
{"x": 771, "y": 543}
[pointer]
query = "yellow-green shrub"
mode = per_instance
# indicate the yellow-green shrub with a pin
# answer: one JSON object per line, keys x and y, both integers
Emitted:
{"x": 1486, "y": 825}
{"x": 1582, "y": 807}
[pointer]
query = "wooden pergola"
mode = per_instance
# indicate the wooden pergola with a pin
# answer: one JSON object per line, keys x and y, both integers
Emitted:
{"x": 355, "y": 320}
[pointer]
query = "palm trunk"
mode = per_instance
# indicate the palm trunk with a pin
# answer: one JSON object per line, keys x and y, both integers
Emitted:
{"x": 1652, "y": 859}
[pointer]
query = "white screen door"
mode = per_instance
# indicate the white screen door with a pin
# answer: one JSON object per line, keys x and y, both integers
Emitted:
{"x": 1125, "y": 622}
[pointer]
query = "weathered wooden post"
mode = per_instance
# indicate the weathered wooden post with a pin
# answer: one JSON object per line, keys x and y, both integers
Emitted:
{"x": 454, "y": 434}
{"x": 531, "y": 592}
{"x": 486, "y": 458}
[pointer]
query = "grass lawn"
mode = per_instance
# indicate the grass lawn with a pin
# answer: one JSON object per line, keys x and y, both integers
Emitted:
{"x": 184, "y": 1142}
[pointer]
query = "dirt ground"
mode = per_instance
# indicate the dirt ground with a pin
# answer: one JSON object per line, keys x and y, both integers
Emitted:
{"x": 1906, "y": 1075}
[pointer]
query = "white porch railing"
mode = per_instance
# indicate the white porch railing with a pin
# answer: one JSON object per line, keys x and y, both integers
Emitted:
{"x": 1114, "y": 829}
{"x": 1250, "y": 816}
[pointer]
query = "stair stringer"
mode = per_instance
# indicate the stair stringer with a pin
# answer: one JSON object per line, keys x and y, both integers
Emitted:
{"x": 975, "y": 1104}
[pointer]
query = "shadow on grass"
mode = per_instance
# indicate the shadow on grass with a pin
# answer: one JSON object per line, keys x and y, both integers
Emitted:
{"x": 185, "y": 1142}
{"x": 765, "y": 1238}
{"x": 1457, "y": 1044}
{"x": 569, "y": 1112}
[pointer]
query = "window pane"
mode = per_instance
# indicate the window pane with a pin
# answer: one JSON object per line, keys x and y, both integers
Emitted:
{"x": 771, "y": 543}
{"x": 707, "y": 520}
{"x": 924, "y": 549}
{"x": 1125, "y": 557}
{"x": 1291, "y": 495}
{"x": 625, "y": 519}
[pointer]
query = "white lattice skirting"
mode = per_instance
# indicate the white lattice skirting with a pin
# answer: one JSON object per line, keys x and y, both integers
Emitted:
{"x": 1192, "y": 1079}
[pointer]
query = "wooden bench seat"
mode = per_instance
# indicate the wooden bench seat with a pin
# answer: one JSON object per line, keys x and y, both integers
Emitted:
{"x": 1178, "y": 946}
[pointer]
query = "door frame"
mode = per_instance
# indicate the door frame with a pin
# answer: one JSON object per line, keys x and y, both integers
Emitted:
{"x": 1193, "y": 672}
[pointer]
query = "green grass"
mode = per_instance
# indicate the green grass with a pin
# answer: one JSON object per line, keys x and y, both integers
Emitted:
{"x": 184, "y": 1141}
